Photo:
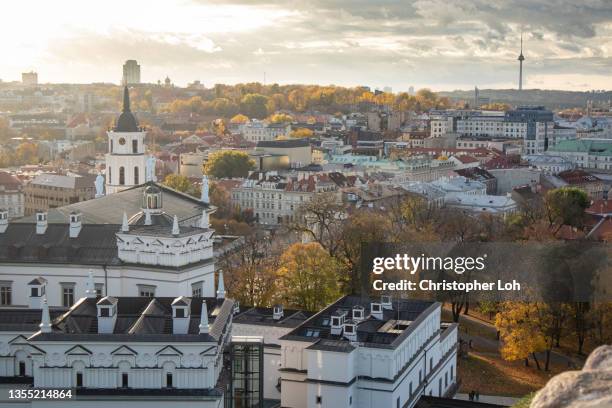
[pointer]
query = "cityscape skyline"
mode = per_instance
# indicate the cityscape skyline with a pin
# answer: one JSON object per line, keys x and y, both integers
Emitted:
{"x": 394, "y": 44}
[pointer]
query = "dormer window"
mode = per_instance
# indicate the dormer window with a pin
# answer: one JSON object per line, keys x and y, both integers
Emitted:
{"x": 376, "y": 307}
{"x": 349, "y": 328}
{"x": 105, "y": 311}
{"x": 358, "y": 313}
{"x": 335, "y": 321}
{"x": 180, "y": 312}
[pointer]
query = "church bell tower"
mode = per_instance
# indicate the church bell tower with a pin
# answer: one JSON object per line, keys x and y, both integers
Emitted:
{"x": 126, "y": 159}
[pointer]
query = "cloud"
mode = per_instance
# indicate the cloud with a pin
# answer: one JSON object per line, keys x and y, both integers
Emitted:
{"x": 436, "y": 43}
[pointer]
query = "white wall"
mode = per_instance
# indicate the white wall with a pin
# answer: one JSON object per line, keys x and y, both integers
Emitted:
{"x": 121, "y": 281}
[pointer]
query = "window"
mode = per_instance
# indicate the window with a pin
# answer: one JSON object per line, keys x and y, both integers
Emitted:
{"x": 79, "y": 379}
{"x": 430, "y": 363}
{"x": 6, "y": 294}
{"x": 180, "y": 312}
{"x": 397, "y": 403}
{"x": 169, "y": 380}
{"x": 440, "y": 387}
{"x": 121, "y": 175}
{"x": 196, "y": 289}
{"x": 134, "y": 146}
{"x": 445, "y": 379}
{"x": 99, "y": 287}
{"x": 410, "y": 391}
{"x": 319, "y": 399}
{"x": 67, "y": 294}
{"x": 351, "y": 400}
{"x": 105, "y": 312}
{"x": 136, "y": 175}
{"x": 146, "y": 291}
{"x": 22, "y": 369}
{"x": 124, "y": 380}
{"x": 452, "y": 372}
{"x": 109, "y": 176}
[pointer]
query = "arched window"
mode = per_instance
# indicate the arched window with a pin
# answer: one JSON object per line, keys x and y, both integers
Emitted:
{"x": 121, "y": 175}
{"x": 109, "y": 181}
{"x": 136, "y": 175}
{"x": 134, "y": 146}
{"x": 111, "y": 145}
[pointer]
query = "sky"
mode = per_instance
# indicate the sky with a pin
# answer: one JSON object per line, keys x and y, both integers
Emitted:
{"x": 439, "y": 44}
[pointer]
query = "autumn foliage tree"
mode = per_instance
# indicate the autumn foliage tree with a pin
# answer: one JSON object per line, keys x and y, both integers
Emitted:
{"x": 228, "y": 164}
{"x": 308, "y": 276}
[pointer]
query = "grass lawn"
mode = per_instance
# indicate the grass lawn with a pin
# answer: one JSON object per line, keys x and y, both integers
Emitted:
{"x": 491, "y": 375}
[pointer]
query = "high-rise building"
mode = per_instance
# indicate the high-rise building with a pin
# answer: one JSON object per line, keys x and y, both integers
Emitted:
{"x": 29, "y": 78}
{"x": 131, "y": 73}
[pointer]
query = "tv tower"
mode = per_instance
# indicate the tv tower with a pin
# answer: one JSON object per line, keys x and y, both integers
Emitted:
{"x": 521, "y": 58}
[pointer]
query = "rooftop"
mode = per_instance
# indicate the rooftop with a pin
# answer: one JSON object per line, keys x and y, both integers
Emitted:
{"x": 109, "y": 209}
{"x": 139, "y": 319}
{"x": 388, "y": 332}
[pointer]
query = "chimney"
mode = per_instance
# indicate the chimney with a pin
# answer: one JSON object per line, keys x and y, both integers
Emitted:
{"x": 45, "y": 318}
{"x": 107, "y": 314}
{"x": 90, "y": 292}
{"x": 204, "y": 319}
{"x": 125, "y": 227}
{"x": 277, "y": 312}
{"x": 75, "y": 224}
{"x": 181, "y": 308}
{"x": 175, "y": 227}
{"x": 37, "y": 291}
{"x": 204, "y": 220}
{"x": 220, "y": 286}
{"x": 41, "y": 222}
{"x": 3, "y": 220}
{"x": 385, "y": 300}
{"x": 376, "y": 310}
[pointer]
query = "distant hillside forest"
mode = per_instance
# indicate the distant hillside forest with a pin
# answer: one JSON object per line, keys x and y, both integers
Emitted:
{"x": 548, "y": 98}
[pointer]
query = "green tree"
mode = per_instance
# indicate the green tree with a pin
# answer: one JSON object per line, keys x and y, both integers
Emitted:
{"x": 254, "y": 106}
{"x": 308, "y": 276}
{"x": 228, "y": 164}
{"x": 565, "y": 206}
{"x": 179, "y": 183}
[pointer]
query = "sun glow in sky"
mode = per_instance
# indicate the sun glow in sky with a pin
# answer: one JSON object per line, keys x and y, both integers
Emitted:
{"x": 433, "y": 43}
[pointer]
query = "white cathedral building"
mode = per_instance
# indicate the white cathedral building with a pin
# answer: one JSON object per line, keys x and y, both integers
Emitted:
{"x": 139, "y": 239}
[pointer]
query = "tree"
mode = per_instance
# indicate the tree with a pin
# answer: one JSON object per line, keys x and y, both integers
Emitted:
{"x": 239, "y": 118}
{"x": 250, "y": 270}
{"x": 300, "y": 133}
{"x": 26, "y": 153}
{"x": 566, "y": 206}
{"x": 308, "y": 276}
{"x": 280, "y": 118}
{"x": 254, "y": 106}
{"x": 519, "y": 332}
{"x": 179, "y": 183}
{"x": 362, "y": 226}
{"x": 220, "y": 198}
{"x": 321, "y": 220}
{"x": 228, "y": 164}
